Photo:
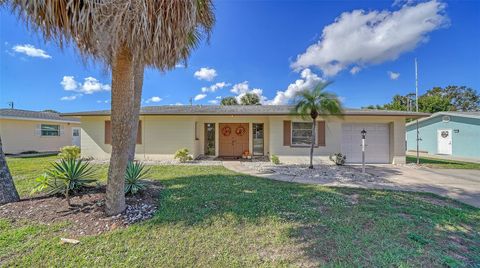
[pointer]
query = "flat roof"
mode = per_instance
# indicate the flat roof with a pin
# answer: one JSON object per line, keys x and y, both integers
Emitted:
{"x": 475, "y": 115}
{"x": 36, "y": 116}
{"x": 228, "y": 110}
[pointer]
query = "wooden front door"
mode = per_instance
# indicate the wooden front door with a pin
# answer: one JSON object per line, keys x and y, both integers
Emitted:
{"x": 233, "y": 139}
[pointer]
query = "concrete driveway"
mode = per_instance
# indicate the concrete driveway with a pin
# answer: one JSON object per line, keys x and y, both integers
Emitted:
{"x": 459, "y": 184}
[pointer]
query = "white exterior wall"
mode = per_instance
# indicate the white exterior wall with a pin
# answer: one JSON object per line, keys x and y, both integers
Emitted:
{"x": 19, "y": 135}
{"x": 162, "y": 136}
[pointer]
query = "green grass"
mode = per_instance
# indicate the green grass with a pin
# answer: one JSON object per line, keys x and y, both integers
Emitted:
{"x": 211, "y": 217}
{"x": 440, "y": 163}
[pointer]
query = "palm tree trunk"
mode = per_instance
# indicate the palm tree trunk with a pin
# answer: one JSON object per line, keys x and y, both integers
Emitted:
{"x": 121, "y": 117}
{"x": 8, "y": 193}
{"x": 312, "y": 144}
{"x": 138, "y": 84}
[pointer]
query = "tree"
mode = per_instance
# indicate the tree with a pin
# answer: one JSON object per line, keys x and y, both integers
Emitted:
{"x": 8, "y": 193}
{"x": 250, "y": 99}
{"x": 229, "y": 101}
{"x": 126, "y": 36}
{"x": 312, "y": 103}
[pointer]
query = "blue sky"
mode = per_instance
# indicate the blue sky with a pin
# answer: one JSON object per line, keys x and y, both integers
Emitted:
{"x": 271, "y": 48}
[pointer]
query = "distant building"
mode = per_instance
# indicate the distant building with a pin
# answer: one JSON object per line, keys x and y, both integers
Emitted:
{"x": 447, "y": 133}
{"x": 24, "y": 131}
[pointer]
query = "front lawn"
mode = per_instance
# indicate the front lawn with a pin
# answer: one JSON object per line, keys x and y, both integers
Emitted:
{"x": 440, "y": 163}
{"x": 209, "y": 216}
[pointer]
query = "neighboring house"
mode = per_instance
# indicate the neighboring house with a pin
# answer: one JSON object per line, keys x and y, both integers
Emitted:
{"x": 447, "y": 133}
{"x": 24, "y": 131}
{"x": 230, "y": 131}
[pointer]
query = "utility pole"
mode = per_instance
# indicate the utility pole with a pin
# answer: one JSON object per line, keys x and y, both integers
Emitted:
{"x": 10, "y": 103}
{"x": 416, "y": 107}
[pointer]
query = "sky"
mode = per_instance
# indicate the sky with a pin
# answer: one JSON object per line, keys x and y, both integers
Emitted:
{"x": 274, "y": 49}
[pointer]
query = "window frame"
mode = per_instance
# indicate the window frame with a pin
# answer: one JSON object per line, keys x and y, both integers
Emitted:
{"x": 292, "y": 144}
{"x": 42, "y": 131}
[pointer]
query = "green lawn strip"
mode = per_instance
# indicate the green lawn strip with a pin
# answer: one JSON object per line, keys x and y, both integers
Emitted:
{"x": 441, "y": 163}
{"x": 209, "y": 216}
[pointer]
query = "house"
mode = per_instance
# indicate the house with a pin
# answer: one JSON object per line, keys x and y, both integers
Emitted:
{"x": 27, "y": 131}
{"x": 447, "y": 133}
{"x": 261, "y": 130}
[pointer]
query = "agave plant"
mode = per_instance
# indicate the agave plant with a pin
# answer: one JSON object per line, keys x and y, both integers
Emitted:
{"x": 65, "y": 176}
{"x": 135, "y": 172}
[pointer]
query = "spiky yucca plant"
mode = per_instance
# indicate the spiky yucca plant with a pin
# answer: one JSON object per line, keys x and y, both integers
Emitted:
{"x": 65, "y": 176}
{"x": 136, "y": 171}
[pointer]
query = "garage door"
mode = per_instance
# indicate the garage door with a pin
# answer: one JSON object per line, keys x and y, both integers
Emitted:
{"x": 377, "y": 142}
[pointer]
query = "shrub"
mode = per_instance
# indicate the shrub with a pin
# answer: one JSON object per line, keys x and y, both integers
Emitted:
{"x": 64, "y": 177}
{"x": 183, "y": 156}
{"x": 136, "y": 171}
{"x": 338, "y": 159}
{"x": 275, "y": 159}
{"x": 68, "y": 152}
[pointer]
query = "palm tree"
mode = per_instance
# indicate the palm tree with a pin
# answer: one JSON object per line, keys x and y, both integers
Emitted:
{"x": 8, "y": 193}
{"x": 250, "y": 99}
{"x": 312, "y": 103}
{"x": 229, "y": 101}
{"x": 126, "y": 36}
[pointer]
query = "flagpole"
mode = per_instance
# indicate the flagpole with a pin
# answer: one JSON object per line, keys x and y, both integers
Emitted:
{"x": 416, "y": 106}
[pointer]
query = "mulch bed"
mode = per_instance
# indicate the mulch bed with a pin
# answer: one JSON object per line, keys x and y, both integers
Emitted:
{"x": 86, "y": 215}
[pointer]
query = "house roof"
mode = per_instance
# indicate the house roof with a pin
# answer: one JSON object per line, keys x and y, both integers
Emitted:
{"x": 36, "y": 116}
{"x": 229, "y": 110}
{"x": 475, "y": 115}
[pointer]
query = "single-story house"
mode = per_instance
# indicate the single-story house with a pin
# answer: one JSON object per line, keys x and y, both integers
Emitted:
{"x": 27, "y": 131}
{"x": 447, "y": 133}
{"x": 261, "y": 130}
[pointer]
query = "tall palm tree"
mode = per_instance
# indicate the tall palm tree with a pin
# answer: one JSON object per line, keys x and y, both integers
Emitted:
{"x": 315, "y": 102}
{"x": 126, "y": 36}
{"x": 8, "y": 193}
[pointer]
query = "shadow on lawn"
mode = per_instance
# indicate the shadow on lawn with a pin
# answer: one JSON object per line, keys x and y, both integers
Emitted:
{"x": 338, "y": 225}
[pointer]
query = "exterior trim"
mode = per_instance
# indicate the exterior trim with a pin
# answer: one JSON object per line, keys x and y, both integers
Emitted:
{"x": 38, "y": 119}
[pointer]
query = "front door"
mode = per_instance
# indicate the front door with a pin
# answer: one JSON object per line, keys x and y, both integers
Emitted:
{"x": 76, "y": 136}
{"x": 233, "y": 139}
{"x": 444, "y": 137}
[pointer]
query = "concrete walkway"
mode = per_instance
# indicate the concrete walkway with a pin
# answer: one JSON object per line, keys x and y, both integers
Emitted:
{"x": 445, "y": 157}
{"x": 462, "y": 185}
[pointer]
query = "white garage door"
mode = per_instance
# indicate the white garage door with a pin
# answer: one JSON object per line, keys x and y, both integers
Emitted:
{"x": 377, "y": 142}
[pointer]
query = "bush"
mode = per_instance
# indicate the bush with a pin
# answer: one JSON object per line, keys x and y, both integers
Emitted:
{"x": 338, "y": 159}
{"x": 275, "y": 159}
{"x": 64, "y": 177}
{"x": 182, "y": 155}
{"x": 135, "y": 172}
{"x": 70, "y": 152}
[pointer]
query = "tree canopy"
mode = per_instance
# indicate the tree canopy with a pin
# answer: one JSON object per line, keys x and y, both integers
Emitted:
{"x": 437, "y": 99}
{"x": 250, "y": 99}
{"x": 229, "y": 101}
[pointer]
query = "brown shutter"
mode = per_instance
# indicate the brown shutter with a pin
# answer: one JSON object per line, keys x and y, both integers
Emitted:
{"x": 321, "y": 133}
{"x": 139, "y": 133}
{"x": 108, "y": 132}
{"x": 287, "y": 125}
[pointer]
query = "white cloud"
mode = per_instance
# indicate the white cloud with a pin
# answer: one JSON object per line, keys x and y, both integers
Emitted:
{"x": 90, "y": 85}
{"x": 308, "y": 80}
{"x": 178, "y": 104}
{"x": 154, "y": 99}
{"x": 103, "y": 101}
{"x": 205, "y": 74}
{"x": 243, "y": 88}
{"x": 71, "y": 97}
{"x": 213, "y": 101}
{"x": 218, "y": 97}
{"x": 215, "y": 87}
{"x": 360, "y": 37}
{"x": 199, "y": 97}
{"x": 355, "y": 70}
{"x": 31, "y": 51}
{"x": 393, "y": 75}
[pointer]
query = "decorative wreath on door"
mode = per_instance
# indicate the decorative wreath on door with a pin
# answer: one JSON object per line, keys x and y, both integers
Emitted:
{"x": 226, "y": 131}
{"x": 240, "y": 131}
{"x": 444, "y": 134}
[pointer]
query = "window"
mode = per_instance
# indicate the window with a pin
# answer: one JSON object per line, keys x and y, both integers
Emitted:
{"x": 257, "y": 139}
{"x": 76, "y": 132}
{"x": 50, "y": 130}
{"x": 302, "y": 133}
{"x": 210, "y": 139}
